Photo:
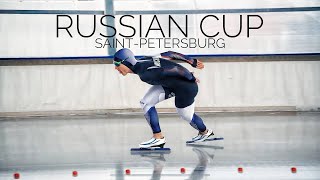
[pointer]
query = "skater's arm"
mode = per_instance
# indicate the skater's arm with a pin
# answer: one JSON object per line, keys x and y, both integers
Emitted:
{"x": 179, "y": 72}
{"x": 171, "y": 55}
{"x": 178, "y": 56}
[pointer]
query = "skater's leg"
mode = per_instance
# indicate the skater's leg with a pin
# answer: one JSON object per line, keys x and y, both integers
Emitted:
{"x": 193, "y": 119}
{"x": 154, "y": 95}
{"x": 185, "y": 107}
{"x": 196, "y": 122}
{"x": 184, "y": 102}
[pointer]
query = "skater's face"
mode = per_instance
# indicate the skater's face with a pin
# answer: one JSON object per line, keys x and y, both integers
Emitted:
{"x": 124, "y": 70}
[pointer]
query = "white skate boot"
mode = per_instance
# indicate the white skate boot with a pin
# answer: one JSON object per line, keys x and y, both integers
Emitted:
{"x": 202, "y": 137}
{"x": 153, "y": 143}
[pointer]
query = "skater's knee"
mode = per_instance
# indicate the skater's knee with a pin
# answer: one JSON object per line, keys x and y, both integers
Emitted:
{"x": 146, "y": 106}
{"x": 186, "y": 117}
{"x": 186, "y": 113}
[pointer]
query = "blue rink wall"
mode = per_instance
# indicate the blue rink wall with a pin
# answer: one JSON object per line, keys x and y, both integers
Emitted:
{"x": 28, "y": 30}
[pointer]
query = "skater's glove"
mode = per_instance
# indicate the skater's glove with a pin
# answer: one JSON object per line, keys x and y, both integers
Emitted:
{"x": 197, "y": 64}
{"x": 194, "y": 63}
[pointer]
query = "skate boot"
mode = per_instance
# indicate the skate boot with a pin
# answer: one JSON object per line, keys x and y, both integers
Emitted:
{"x": 202, "y": 137}
{"x": 153, "y": 143}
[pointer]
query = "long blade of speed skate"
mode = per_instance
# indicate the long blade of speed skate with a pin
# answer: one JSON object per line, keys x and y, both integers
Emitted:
{"x": 209, "y": 139}
{"x": 214, "y": 139}
{"x": 150, "y": 149}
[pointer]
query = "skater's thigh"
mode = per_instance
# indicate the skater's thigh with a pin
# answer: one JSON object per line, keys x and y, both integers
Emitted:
{"x": 186, "y": 113}
{"x": 153, "y": 96}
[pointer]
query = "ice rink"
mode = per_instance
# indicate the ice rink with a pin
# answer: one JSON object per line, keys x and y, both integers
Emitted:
{"x": 265, "y": 145}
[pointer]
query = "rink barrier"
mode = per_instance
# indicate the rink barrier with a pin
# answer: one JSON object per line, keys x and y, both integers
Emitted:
{"x": 164, "y": 111}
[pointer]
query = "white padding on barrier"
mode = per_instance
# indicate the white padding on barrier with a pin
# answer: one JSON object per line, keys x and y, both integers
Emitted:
{"x": 99, "y": 86}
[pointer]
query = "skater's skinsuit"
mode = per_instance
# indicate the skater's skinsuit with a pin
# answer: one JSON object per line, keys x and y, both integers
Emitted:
{"x": 168, "y": 79}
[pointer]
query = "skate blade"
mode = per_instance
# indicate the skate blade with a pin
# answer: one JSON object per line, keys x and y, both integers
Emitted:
{"x": 214, "y": 139}
{"x": 209, "y": 139}
{"x": 150, "y": 150}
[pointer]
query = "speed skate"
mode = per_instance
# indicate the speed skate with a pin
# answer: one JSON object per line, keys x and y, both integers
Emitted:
{"x": 209, "y": 139}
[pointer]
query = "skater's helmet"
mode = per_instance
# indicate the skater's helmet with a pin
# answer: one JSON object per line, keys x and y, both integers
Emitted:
{"x": 124, "y": 56}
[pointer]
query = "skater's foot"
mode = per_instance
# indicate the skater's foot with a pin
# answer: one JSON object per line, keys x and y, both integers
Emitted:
{"x": 153, "y": 143}
{"x": 202, "y": 136}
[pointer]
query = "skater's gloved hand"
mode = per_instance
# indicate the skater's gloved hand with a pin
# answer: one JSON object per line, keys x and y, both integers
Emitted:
{"x": 197, "y": 80}
{"x": 197, "y": 64}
